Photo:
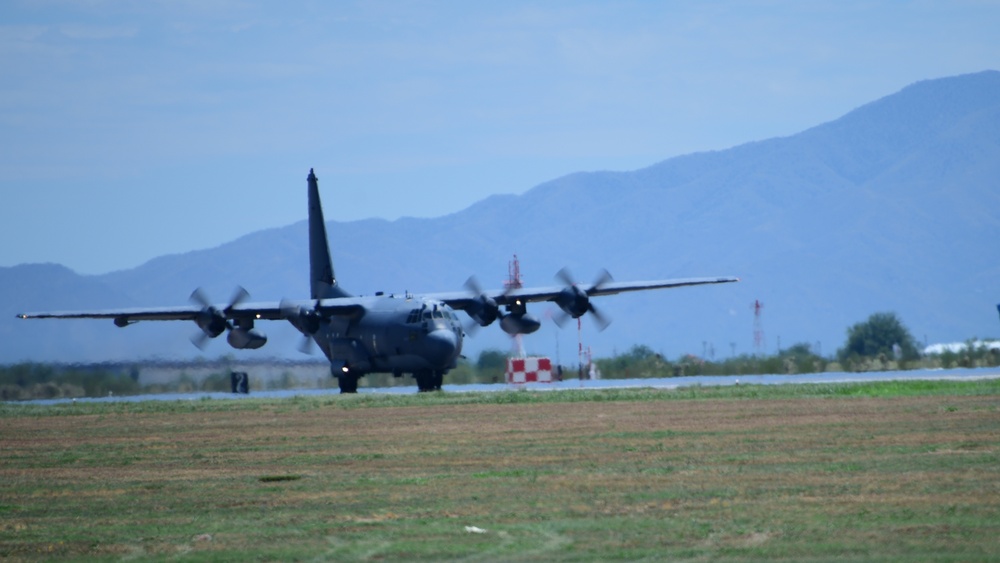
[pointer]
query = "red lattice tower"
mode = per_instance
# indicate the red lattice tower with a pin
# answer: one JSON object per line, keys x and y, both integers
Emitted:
{"x": 513, "y": 275}
{"x": 514, "y": 282}
{"x": 758, "y": 327}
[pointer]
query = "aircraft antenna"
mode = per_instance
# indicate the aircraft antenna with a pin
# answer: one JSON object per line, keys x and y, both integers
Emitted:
{"x": 758, "y": 326}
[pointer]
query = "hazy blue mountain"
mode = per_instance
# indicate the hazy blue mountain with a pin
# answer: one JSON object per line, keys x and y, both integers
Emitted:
{"x": 891, "y": 207}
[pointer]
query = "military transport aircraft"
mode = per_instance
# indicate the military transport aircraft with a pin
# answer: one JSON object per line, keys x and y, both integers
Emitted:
{"x": 419, "y": 335}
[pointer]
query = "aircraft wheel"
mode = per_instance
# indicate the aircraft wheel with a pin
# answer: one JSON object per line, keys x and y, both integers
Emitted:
{"x": 348, "y": 383}
{"x": 438, "y": 380}
{"x": 425, "y": 381}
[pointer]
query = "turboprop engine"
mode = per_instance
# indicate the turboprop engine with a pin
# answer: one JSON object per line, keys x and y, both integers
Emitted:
{"x": 484, "y": 309}
{"x": 305, "y": 320}
{"x": 519, "y": 323}
{"x": 213, "y": 322}
{"x": 245, "y": 337}
{"x": 575, "y": 302}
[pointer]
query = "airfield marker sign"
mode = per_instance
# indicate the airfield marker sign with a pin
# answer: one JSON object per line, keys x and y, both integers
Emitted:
{"x": 529, "y": 370}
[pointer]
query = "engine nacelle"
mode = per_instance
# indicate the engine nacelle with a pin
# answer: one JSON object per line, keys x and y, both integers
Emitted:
{"x": 524, "y": 323}
{"x": 246, "y": 339}
{"x": 211, "y": 322}
{"x": 573, "y": 301}
{"x": 305, "y": 320}
{"x": 484, "y": 310}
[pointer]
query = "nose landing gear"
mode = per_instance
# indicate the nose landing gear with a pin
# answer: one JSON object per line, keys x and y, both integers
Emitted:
{"x": 346, "y": 378}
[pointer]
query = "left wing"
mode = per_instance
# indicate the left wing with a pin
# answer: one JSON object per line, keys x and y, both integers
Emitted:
{"x": 573, "y": 298}
{"x": 467, "y": 300}
{"x": 611, "y": 288}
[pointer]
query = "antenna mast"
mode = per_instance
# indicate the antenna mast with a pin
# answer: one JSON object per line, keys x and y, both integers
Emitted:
{"x": 513, "y": 275}
{"x": 514, "y": 282}
{"x": 758, "y": 327}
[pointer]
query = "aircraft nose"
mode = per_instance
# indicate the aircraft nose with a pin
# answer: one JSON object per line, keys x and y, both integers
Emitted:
{"x": 441, "y": 347}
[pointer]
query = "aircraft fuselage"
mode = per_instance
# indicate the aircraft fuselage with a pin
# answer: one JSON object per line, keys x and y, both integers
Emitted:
{"x": 394, "y": 335}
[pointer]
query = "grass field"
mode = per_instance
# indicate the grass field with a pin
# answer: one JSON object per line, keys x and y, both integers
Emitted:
{"x": 886, "y": 471}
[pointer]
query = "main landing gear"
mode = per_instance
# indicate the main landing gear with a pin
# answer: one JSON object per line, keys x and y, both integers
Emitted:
{"x": 428, "y": 380}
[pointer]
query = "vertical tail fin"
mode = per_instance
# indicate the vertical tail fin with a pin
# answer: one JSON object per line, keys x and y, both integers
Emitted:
{"x": 323, "y": 282}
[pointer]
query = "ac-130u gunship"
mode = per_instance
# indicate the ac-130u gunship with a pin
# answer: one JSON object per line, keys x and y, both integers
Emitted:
{"x": 420, "y": 335}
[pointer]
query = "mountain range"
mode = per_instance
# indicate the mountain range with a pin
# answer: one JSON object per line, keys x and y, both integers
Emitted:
{"x": 892, "y": 207}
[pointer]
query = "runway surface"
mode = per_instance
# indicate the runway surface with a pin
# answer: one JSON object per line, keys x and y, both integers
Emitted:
{"x": 658, "y": 383}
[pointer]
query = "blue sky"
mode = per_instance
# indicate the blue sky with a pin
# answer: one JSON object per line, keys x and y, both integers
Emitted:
{"x": 129, "y": 130}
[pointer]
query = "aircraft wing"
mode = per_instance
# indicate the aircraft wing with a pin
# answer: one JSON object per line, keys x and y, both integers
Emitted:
{"x": 273, "y": 310}
{"x": 465, "y": 300}
{"x": 611, "y": 288}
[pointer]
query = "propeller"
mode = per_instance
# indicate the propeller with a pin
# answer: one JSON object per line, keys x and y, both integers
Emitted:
{"x": 211, "y": 320}
{"x": 307, "y": 321}
{"x": 484, "y": 309}
{"x": 574, "y": 301}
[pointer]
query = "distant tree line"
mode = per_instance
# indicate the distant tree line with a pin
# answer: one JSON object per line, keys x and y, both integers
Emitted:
{"x": 641, "y": 362}
{"x": 880, "y": 343}
{"x": 46, "y": 381}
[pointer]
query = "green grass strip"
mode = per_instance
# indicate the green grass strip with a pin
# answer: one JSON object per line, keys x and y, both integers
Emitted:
{"x": 880, "y": 389}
